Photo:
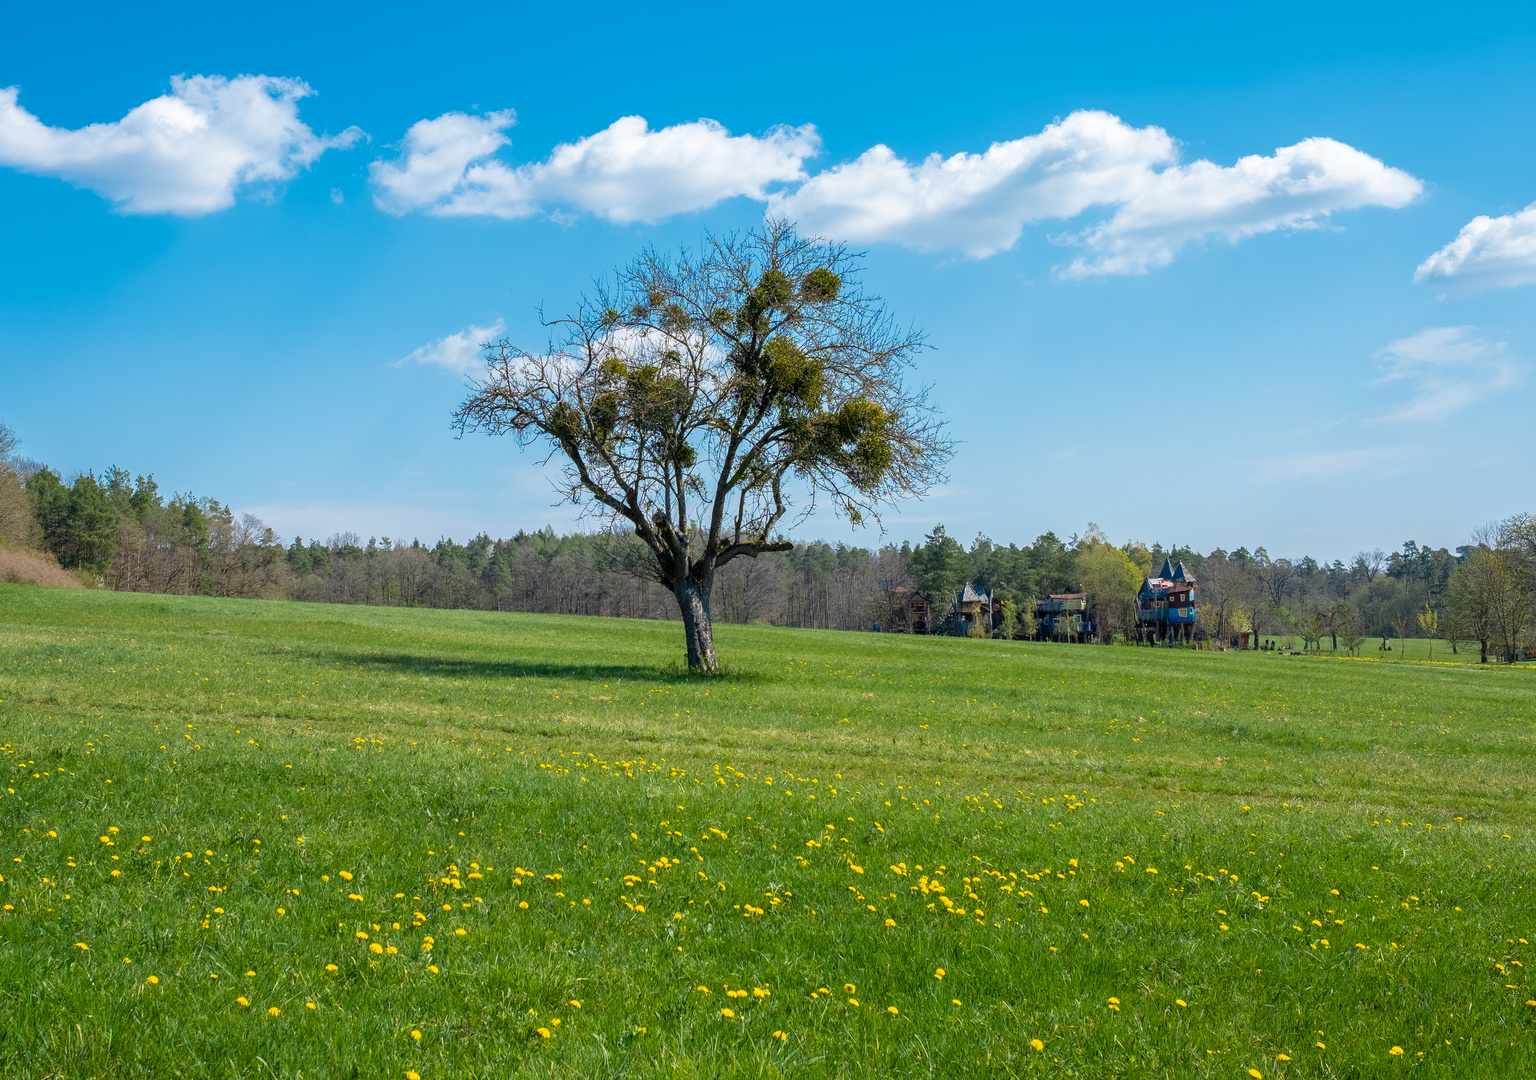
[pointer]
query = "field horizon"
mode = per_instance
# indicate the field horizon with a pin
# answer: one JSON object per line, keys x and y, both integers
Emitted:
{"x": 396, "y": 842}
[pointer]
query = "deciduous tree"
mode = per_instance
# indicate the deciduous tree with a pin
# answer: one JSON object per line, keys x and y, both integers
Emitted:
{"x": 692, "y": 397}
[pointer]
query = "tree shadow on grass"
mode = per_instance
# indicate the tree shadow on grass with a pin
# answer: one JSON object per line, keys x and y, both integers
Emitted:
{"x": 509, "y": 668}
{"x": 667, "y": 672}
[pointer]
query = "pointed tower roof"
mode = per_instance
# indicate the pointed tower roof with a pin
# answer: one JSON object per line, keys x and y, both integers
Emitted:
{"x": 1166, "y": 573}
{"x": 1181, "y": 574}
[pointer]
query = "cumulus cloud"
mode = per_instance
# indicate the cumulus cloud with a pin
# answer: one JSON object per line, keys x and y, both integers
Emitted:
{"x": 187, "y": 152}
{"x": 1448, "y": 367}
{"x": 624, "y": 173}
{"x": 1490, "y": 252}
{"x": 459, "y": 352}
{"x": 1297, "y": 187}
{"x": 980, "y": 203}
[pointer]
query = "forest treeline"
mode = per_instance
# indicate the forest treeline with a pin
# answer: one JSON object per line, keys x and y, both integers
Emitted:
{"x": 119, "y": 531}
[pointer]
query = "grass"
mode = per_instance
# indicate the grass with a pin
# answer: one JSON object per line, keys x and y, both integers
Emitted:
{"x": 1151, "y": 862}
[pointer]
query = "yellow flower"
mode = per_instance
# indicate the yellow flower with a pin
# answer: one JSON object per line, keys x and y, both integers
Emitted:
{"x": 82, "y": 946}
{"x": 1322, "y": 1046}
{"x": 330, "y": 967}
{"x": 890, "y": 922}
{"x": 1282, "y": 1057}
{"x": 575, "y": 1004}
{"x": 432, "y": 968}
{"x": 543, "y": 1033}
{"x": 780, "y": 1036}
{"x": 416, "y": 1035}
{"x": 375, "y": 948}
{"x": 938, "y": 973}
{"x": 849, "y": 988}
{"x": 309, "y": 1004}
{"x": 1256, "y": 1074}
{"x": 1083, "y": 902}
{"x": 853, "y": 1002}
{"x": 522, "y": 903}
{"x": 153, "y": 980}
{"x": 1037, "y": 1044}
{"x": 411, "y": 1074}
{"x": 955, "y": 1000}
{"x": 461, "y": 931}
{"x": 1396, "y": 1051}
{"x": 891, "y": 1009}
{"x": 243, "y": 1001}
{"x": 727, "y": 1014}
{"x": 274, "y": 1011}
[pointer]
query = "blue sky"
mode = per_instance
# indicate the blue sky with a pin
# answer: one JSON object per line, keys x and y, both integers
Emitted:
{"x": 1222, "y": 279}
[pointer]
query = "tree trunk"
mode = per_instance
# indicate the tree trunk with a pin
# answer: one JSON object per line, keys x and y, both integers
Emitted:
{"x": 693, "y": 601}
{"x": 1483, "y": 648}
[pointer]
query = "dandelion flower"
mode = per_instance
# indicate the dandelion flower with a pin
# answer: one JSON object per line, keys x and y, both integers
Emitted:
{"x": 543, "y": 1033}
{"x": 575, "y": 1004}
{"x": 82, "y": 946}
{"x": 892, "y": 1010}
{"x": 153, "y": 980}
{"x": 727, "y": 1014}
{"x": 250, "y": 974}
{"x": 1083, "y": 902}
{"x": 244, "y": 1002}
{"x": 1181, "y": 1003}
{"x": 890, "y": 922}
{"x": 849, "y": 988}
{"x": 330, "y": 967}
{"x": 416, "y": 1035}
{"x": 432, "y": 968}
{"x": 309, "y": 1004}
{"x": 777, "y": 1035}
{"x": 274, "y": 1011}
{"x": 1322, "y": 1046}
{"x": 1037, "y": 1044}
{"x": 461, "y": 931}
{"x": 1255, "y": 1072}
{"x": 938, "y": 973}
{"x": 411, "y": 1074}
{"x": 955, "y": 1001}
{"x": 1396, "y": 1051}
{"x": 853, "y": 1002}
{"x": 1282, "y": 1057}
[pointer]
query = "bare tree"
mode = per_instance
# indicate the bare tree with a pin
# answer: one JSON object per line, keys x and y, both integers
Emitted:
{"x": 692, "y": 396}
{"x": 1368, "y": 564}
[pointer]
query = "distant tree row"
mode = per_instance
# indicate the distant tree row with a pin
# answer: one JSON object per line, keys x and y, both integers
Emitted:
{"x": 120, "y": 532}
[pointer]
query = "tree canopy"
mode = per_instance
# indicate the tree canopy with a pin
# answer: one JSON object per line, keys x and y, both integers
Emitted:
{"x": 693, "y": 398}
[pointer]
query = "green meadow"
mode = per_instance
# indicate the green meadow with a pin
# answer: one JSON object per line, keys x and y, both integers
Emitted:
{"x": 250, "y": 839}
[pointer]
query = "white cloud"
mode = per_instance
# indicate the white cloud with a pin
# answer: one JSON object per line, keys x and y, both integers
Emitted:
{"x": 1449, "y": 367}
{"x": 1296, "y": 188}
{"x": 1495, "y": 252}
{"x": 459, "y": 352}
{"x": 624, "y": 173}
{"x": 187, "y": 152}
{"x": 980, "y": 203}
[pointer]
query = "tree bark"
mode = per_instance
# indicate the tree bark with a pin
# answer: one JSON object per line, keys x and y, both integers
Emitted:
{"x": 693, "y": 602}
